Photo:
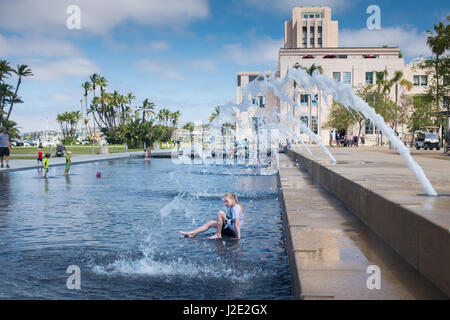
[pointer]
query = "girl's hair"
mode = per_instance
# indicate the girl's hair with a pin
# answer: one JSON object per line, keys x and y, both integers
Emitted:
{"x": 47, "y": 155}
{"x": 233, "y": 196}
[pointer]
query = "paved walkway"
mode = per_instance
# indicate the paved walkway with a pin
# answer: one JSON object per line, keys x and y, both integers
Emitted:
{"x": 330, "y": 249}
{"x": 388, "y": 175}
{"x": 24, "y": 164}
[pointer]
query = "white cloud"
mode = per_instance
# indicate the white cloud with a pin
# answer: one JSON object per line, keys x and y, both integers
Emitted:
{"x": 265, "y": 50}
{"x": 62, "y": 97}
{"x": 286, "y": 6}
{"x": 410, "y": 41}
{"x": 202, "y": 65}
{"x": 36, "y": 46}
{"x": 162, "y": 69}
{"x": 59, "y": 69}
{"x": 98, "y": 16}
{"x": 158, "y": 45}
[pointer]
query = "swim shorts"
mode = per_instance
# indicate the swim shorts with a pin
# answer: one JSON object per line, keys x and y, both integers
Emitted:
{"x": 4, "y": 152}
{"x": 228, "y": 232}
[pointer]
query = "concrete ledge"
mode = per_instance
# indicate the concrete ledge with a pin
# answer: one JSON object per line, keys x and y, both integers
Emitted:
{"x": 421, "y": 239}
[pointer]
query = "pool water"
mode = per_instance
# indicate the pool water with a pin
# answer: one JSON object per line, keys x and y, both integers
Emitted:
{"x": 121, "y": 230}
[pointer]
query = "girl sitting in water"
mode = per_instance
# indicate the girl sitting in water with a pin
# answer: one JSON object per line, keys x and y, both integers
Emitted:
{"x": 228, "y": 224}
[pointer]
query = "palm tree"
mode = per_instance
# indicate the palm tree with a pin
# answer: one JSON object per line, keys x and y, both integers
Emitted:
{"x": 175, "y": 118}
{"x": 87, "y": 87}
{"x": 439, "y": 42}
{"x": 215, "y": 113}
{"x": 94, "y": 80}
{"x": 147, "y": 108}
{"x": 5, "y": 69}
{"x": 22, "y": 71}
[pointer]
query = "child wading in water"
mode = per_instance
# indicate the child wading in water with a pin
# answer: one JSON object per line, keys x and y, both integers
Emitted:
{"x": 68, "y": 163}
{"x": 228, "y": 224}
{"x": 39, "y": 158}
{"x": 46, "y": 164}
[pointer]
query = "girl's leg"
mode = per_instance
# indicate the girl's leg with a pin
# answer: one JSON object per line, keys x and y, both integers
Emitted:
{"x": 220, "y": 223}
{"x": 203, "y": 228}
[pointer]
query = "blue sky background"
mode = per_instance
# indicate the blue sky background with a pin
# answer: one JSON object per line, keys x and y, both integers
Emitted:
{"x": 183, "y": 55}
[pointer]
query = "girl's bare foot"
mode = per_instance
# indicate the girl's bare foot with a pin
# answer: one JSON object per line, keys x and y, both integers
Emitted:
{"x": 216, "y": 236}
{"x": 187, "y": 234}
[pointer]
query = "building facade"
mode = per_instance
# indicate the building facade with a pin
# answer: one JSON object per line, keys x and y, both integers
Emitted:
{"x": 311, "y": 37}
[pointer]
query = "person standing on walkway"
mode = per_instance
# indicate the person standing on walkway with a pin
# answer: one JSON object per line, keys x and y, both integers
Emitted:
{"x": 5, "y": 146}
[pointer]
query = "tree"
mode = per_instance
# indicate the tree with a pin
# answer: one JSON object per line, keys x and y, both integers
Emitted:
{"x": 189, "y": 126}
{"x": 147, "y": 107}
{"x": 13, "y": 129}
{"x": 68, "y": 122}
{"x": 439, "y": 42}
{"x": 22, "y": 71}
{"x": 215, "y": 113}
{"x": 425, "y": 112}
{"x": 175, "y": 118}
{"x": 9, "y": 94}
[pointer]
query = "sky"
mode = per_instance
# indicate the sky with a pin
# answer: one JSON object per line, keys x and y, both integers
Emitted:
{"x": 182, "y": 55}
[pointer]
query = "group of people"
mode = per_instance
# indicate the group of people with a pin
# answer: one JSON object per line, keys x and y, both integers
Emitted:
{"x": 343, "y": 140}
{"x": 45, "y": 162}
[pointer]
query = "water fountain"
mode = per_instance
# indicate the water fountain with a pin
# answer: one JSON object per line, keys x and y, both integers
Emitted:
{"x": 338, "y": 91}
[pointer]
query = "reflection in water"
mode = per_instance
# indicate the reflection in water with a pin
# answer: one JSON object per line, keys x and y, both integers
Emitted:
{"x": 224, "y": 247}
{"x": 5, "y": 190}
{"x": 68, "y": 188}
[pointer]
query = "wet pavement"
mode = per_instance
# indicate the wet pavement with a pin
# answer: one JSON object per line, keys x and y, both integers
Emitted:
{"x": 331, "y": 249}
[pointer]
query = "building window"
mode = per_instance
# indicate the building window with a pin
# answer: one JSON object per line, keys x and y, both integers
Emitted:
{"x": 424, "y": 80}
{"x": 259, "y": 101}
{"x": 239, "y": 80}
{"x": 304, "y": 119}
{"x": 416, "y": 80}
{"x": 347, "y": 78}
{"x": 262, "y": 102}
{"x": 370, "y": 128}
{"x": 304, "y": 37}
{"x": 337, "y": 76}
{"x": 369, "y": 77}
{"x": 304, "y": 100}
{"x": 314, "y": 124}
{"x": 315, "y": 100}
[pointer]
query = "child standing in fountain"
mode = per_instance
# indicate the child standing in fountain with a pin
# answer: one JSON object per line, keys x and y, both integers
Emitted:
{"x": 227, "y": 224}
{"x": 68, "y": 163}
{"x": 46, "y": 164}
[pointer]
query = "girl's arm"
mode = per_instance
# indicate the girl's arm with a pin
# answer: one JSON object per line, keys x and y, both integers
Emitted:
{"x": 238, "y": 229}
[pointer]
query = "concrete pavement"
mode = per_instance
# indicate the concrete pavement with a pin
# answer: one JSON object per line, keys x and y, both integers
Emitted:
{"x": 383, "y": 193}
{"x": 330, "y": 250}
